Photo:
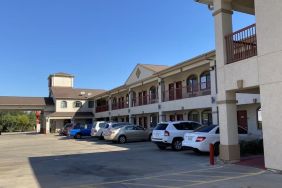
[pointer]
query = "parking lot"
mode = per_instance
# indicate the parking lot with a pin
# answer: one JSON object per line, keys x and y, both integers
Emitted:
{"x": 31, "y": 160}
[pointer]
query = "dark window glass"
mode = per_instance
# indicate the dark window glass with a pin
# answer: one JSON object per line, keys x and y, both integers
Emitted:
{"x": 90, "y": 104}
{"x": 102, "y": 125}
{"x": 196, "y": 125}
{"x": 205, "y": 129}
{"x": 129, "y": 127}
{"x": 161, "y": 126}
{"x": 242, "y": 131}
{"x": 217, "y": 131}
{"x": 139, "y": 128}
{"x": 183, "y": 126}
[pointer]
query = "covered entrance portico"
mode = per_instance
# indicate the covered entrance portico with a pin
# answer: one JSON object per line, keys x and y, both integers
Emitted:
{"x": 55, "y": 121}
{"x": 41, "y": 105}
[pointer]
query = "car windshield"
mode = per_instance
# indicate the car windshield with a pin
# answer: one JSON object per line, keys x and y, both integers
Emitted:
{"x": 205, "y": 129}
{"x": 161, "y": 126}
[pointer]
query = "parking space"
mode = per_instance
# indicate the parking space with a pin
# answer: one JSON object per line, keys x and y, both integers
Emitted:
{"x": 53, "y": 161}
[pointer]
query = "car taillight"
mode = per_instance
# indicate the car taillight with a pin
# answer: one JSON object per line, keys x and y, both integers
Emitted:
{"x": 200, "y": 139}
{"x": 166, "y": 133}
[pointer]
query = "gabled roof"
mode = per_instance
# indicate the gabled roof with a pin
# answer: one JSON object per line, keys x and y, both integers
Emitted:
{"x": 74, "y": 93}
{"x": 142, "y": 71}
{"x": 25, "y": 101}
{"x": 154, "y": 68}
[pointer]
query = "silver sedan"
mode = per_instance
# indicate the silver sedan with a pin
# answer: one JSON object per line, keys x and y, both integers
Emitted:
{"x": 123, "y": 134}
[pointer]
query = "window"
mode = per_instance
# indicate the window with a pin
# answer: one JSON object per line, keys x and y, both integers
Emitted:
{"x": 205, "y": 80}
{"x": 217, "y": 131}
{"x": 242, "y": 131}
{"x": 90, "y": 104}
{"x": 205, "y": 129}
{"x": 194, "y": 116}
{"x": 192, "y": 84}
{"x": 77, "y": 104}
{"x": 139, "y": 128}
{"x": 64, "y": 104}
{"x": 207, "y": 117}
{"x": 259, "y": 118}
{"x": 183, "y": 126}
{"x": 153, "y": 94}
{"x": 161, "y": 126}
{"x": 129, "y": 128}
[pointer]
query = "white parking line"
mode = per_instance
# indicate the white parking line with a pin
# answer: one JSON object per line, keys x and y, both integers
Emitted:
{"x": 148, "y": 177}
{"x": 225, "y": 179}
{"x": 148, "y": 185}
{"x": 192, "y": 181}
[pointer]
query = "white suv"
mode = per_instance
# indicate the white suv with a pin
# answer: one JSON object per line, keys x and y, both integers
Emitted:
{"x": 97, "y": 129}
{"x": 172, "y": 133}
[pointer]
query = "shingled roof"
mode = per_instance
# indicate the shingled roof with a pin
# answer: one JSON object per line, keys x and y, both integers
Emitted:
{"x": 73, "y": 93}
{"x": 25, "y": 101}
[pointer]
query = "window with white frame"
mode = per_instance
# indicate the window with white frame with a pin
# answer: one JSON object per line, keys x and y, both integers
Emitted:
{"x": 64, "y": 104}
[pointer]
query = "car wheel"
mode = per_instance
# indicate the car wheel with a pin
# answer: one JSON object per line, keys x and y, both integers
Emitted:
{"x": 78, "y": 136}
{"x": 177, "y": 145}
{"x": 150, "y": 137}
{"x": 216, "y": 149}
{"x": 161, "y": 147}
{"x": 121, "y": 139}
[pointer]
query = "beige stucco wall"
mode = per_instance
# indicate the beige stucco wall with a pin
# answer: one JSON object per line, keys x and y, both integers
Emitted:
{"x": 62, "y": 81}
{"x": 246, "y": 70}
{"x": 144, "y": 73}
{"x": 269, "y": 39}
{"x": 70, "y": 107}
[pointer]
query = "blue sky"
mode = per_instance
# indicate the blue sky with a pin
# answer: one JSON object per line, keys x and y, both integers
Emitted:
{"x": 99, "y": 41}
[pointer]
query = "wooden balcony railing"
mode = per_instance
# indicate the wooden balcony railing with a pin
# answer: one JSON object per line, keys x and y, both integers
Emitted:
{"x": 241, "y": 44}
{"x": 144, "y": 100}
{"x": 102, "y": 108}
{"x": 120, "y": 105}
{"x": 185, "y": 92}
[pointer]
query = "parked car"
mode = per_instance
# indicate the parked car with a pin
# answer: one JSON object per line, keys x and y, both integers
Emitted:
{"x": 200, "y": 139}
{"x": 66, "y": 129}
{"x": 97, "y": 129}
{"x": 126, "y": 133}
{"x": 107, "y": 128}
{"x": 171, "y": 133}
{"x": 81, "y": 130}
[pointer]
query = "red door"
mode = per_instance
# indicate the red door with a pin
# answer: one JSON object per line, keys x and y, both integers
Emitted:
{"x": 179, "y": 117}
{"x": 171, "y": 91}
{"x": 144, "y": 97}
{"x": 242, "y": 118}
{"x": 178, "y": 90}
{"x": 172, "y": 118}
{"x": 140, "y": 98}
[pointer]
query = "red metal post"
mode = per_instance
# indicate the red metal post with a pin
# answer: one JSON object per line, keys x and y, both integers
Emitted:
{"x": 211, "y": 154}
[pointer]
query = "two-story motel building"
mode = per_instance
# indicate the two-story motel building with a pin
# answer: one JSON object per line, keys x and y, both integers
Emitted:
{"x": 232, "y": 86}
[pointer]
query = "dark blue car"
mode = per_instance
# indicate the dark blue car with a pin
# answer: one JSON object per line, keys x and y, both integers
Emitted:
{"x": 81, "y": 130}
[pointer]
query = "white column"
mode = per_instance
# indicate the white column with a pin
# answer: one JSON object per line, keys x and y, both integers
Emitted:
{"x": 214, "y": 108}
{"x": 47, "y": 125}
{"x": 160, "y": 98}
{"x": 229, "y": 147}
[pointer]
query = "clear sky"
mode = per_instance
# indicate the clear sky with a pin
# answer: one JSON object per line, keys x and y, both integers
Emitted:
{"x": 99, "y": 41}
